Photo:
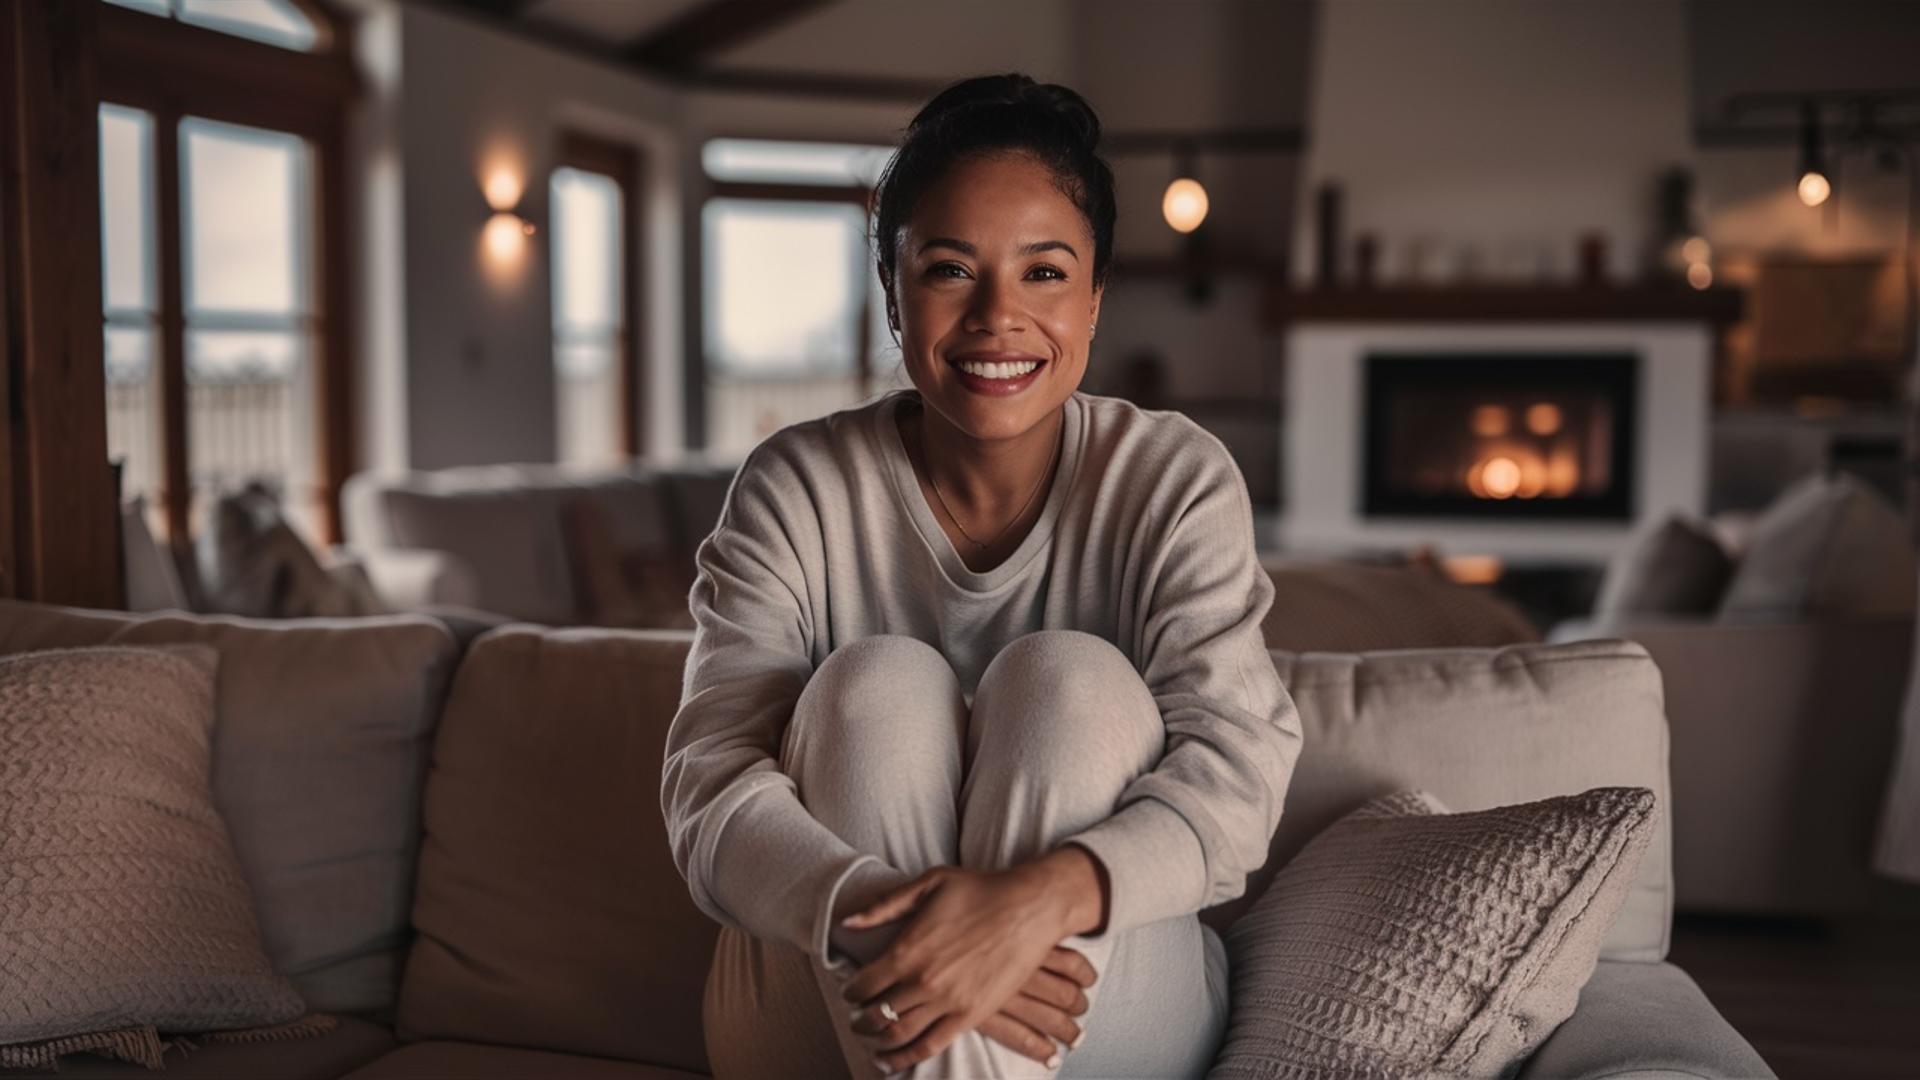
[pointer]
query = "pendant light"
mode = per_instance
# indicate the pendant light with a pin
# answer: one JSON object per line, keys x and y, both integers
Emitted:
{"x": 1814, "y": 184}
{"x": 1185, "y": 203}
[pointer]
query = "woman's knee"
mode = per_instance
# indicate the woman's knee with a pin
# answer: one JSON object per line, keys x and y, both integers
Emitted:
{"x": 883, "y": 683}
{"x": 1066, "y": 687}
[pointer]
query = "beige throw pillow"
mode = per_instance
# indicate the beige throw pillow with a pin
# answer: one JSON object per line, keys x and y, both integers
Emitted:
{"x": 1828, "y": 547}
{"x": 1407, "y": 941}
{"x": 123, "y": 913}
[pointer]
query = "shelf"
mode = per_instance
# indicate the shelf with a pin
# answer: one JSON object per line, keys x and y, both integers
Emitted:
{"x": 1521, "y": 303}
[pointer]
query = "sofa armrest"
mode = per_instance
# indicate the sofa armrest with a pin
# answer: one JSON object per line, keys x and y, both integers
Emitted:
{"x": 1781, "y": 735}
{"x": 415, "y": 579}
{"x": 1643, "y": 1020}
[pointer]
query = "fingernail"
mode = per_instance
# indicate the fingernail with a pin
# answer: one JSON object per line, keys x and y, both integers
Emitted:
{"x": 1078, "y": 1039}
{"x": 882, "y": 1066}
{"x": 1054, "y": 1061}
{"x": 853, "y": 1014}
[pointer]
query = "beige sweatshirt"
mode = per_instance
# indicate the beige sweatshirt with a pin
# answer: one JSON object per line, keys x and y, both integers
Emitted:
{"x": 1146, "y": 540}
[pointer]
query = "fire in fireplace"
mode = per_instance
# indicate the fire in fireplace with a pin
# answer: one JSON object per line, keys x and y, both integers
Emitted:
{"x": 1507, "y": 435}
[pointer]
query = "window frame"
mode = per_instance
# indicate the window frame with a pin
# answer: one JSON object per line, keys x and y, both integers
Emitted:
{"x": 770, "y": 191}
{"x": 624, "y": 164}
{"x": 172, "y": 70}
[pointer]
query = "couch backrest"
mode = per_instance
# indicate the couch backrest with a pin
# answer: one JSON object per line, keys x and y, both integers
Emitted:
{"x": 319, "y": 755}
{"x": 550, "y": 912}
{"x": 505, "y": 523}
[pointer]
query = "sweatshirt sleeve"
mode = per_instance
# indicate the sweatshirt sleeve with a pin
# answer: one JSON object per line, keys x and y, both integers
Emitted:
{"x": 753, "y": 856}
{"x": 1188, "y": 832}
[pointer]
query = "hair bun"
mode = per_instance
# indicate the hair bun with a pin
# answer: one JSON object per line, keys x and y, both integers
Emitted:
{"x": 1059, "y": 104}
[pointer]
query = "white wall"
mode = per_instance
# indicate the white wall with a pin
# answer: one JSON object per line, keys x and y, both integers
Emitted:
{"x": 477, "y": 354}
{"x": 1495, "y": 130}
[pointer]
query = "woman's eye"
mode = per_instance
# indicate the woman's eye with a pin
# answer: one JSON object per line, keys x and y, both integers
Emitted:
{"x": 947, "y": 270}
{"x": 1048, "y": 273}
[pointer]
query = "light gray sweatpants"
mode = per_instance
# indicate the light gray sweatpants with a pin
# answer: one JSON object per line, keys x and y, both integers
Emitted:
{"x": 887, "y": 752}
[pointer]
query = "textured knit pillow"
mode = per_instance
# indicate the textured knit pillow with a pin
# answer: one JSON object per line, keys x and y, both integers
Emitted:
{"x": 122, "y": 910}
{"x": 1406, "y": 941}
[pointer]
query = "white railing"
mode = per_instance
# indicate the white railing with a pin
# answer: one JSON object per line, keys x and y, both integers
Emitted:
{"x": 741, "y": 412}
{"x": 238, "y": 430}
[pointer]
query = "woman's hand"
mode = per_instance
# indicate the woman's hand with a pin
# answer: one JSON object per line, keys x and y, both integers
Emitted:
{"x": 974, "y": 940}
{"x": 1034, "y": 1019}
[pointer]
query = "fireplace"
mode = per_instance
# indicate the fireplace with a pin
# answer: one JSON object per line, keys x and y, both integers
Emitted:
{"x": 1510, "y": 435}
{"x": 1387, "y": 446}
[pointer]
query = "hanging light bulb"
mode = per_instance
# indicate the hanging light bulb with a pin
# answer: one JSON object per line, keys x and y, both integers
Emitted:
{"x": 1185, "y": 203}
{"x": 1814, "y": 185}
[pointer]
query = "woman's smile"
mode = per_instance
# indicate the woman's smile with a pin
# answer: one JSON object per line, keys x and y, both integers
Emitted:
{"x": 997, "y": 373}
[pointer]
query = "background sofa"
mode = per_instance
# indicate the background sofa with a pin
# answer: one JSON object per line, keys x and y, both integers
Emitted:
{"x": 461, "y": 853}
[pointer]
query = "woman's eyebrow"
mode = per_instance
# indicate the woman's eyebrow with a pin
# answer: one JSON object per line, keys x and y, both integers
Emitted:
{"x": 1034, "y": 248}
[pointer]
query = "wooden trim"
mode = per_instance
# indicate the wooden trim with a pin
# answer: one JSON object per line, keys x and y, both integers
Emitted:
{"x": 694, "y": 36}
{"x": 176, "y": 489}
{"x": 61, "y": 510}
{"x": 870, "y": 88}
{"x": 203, "y": 71}
{"x": 738, "y": 189}
{"x": 333, "y": 375}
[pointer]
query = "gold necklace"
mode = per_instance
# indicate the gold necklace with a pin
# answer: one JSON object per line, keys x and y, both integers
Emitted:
{"x": 1048, "y": 471}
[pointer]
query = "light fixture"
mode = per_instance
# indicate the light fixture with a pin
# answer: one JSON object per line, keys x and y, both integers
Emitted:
{"x": 1814, "y": 187}
{"x": 503, "y": 239}
{"x": 1185, "y": 203}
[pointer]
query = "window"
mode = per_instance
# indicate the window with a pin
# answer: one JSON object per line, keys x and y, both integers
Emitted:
{"x": 223, "y": 286}
{"x": 276, "y": 22}
{"x": 591, "y": 198}
{"x": 792, "y": 321}
{"x": 130, "y": 299}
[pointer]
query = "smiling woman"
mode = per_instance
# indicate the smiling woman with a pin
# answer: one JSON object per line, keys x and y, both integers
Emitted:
{"x": 978, "y": 714}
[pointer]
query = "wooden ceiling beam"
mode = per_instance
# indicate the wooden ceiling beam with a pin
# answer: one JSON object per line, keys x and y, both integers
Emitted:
{"x": 698, "y": 34}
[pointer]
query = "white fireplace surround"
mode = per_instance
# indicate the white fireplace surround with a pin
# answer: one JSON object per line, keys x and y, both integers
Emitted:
{"x": 1324, "y": 436}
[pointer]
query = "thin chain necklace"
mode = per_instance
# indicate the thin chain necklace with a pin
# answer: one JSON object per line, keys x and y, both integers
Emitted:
{"x": 1048, "y": 471}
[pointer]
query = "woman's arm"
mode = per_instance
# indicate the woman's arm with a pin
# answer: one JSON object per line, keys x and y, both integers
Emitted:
{"x": 1187, "y": 833}
{"x": 753, "y": 856}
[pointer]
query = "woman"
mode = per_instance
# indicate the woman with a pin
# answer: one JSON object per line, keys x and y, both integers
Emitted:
{"x": 977, "y": 715}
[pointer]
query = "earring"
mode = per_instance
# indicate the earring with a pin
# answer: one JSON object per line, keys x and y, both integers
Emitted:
{"x": 1092, "y": 328}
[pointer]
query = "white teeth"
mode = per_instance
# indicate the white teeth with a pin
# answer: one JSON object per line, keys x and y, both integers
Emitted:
{"x": 998, "y": 370}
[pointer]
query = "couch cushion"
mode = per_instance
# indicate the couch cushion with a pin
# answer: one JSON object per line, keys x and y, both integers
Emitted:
{"x": 550, "y": 912}
{"x": 1407, "y": 941}
{"x": 474, "y": 1061}
{"x": 1643, "y": 1020}
{"x": 323, "y": 1057}
{"x": 319, "y": 753}
{"x": 1480, "y": 728}
{"x": 1329, "y": 606}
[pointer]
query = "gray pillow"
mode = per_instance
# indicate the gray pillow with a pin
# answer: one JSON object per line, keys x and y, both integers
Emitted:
{"x": 1677, "y": 568}
{"x": 1828, "y": 546}
{"x": 1406, "y": 941}
{"x": 124, "y": 912}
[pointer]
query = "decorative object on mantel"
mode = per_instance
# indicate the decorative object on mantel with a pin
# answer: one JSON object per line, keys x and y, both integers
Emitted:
{"x": 1593, "y": 259}
{"x": 1679, "y": 254}
{"x": 1366, "y": 256}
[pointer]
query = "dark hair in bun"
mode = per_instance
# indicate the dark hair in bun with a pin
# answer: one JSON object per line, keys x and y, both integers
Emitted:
{"x": 995, "y": 114}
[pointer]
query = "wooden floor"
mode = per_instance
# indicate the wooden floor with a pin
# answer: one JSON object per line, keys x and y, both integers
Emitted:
{"x": 1819, "y": 1001}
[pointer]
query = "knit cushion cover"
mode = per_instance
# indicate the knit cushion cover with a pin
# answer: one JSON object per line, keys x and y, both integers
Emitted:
{"x": 1407, "y": 941}
{"x": 123, "y": 913}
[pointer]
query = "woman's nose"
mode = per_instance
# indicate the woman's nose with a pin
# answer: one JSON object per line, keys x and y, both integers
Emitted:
{"x": 995, "y": 307}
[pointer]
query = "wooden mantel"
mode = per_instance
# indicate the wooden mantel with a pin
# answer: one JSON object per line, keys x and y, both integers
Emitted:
{"x": 1285, "y": 305}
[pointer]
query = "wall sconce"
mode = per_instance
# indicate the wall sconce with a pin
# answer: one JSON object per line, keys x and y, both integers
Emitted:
{"x": 1185, "y": 203}
{"x": 1814, "y": 184}
{"x": 504, "y": 238}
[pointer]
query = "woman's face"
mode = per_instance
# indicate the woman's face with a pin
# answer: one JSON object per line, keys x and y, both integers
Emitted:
{"x": 995, "y": 266}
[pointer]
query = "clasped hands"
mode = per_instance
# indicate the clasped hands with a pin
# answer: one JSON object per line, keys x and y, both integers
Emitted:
{"x": 981, "y": 951}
